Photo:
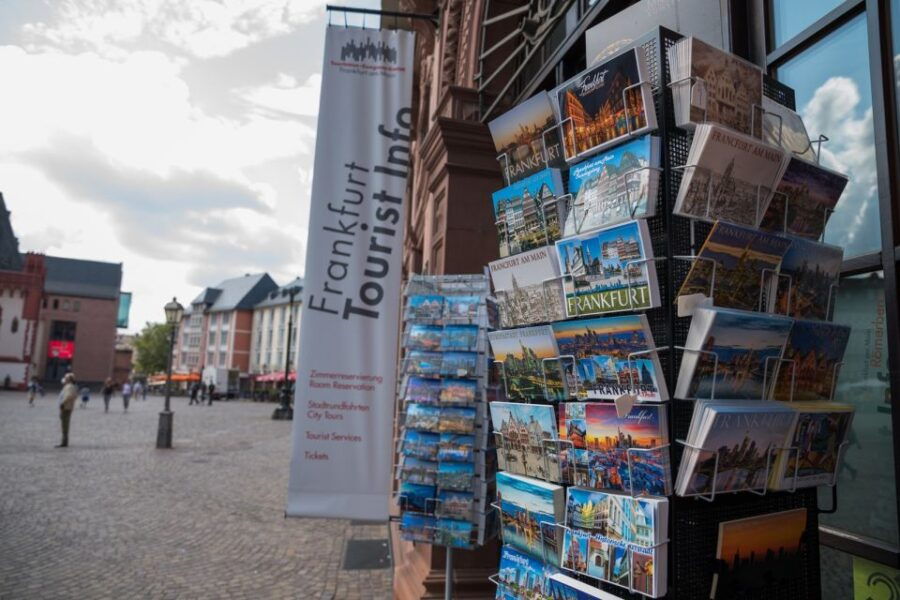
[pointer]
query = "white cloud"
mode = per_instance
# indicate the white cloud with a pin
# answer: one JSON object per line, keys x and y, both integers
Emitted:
{"x": 833, "y": 111}
{"x": 199, "y": 28}
{"x": 286, "y": 95}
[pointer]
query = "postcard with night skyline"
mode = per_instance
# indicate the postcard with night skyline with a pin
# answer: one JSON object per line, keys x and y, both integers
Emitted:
{"x": 423, "y": 390}
{"x": 731, "y": 354}
{"x": 527, "y": 214}
{"x": 809, "y": 277}
{"x": 456, "y": 447}
{"x": 454, "y": 391}
{"x": 525, "y": 503}
{"x": 459, "y": 337}
{"x": 416, "y": 497}
{"x": 420, "y": 444}
{"x": 520, "y": 138}
{"x": 810, "y": 365}
{"x": 602, "y": 348}
{"x": 741, "y": 255}
{"x": 759, "y": 553}
{"x": 456, "y": 476}
{"x": 815, "y": 446}
{"x": 607, "y": 271}
{"x": 522, "y": 352}
{"x": 605, "y": 103}
{"x": 422, "y": 416}
{"x": 804, "y": 200}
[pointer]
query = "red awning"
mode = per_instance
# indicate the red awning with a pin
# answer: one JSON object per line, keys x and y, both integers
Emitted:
{"x": 274, "y": 376}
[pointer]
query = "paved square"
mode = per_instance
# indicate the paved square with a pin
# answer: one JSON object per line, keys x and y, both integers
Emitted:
{"x": 112, "y": 517}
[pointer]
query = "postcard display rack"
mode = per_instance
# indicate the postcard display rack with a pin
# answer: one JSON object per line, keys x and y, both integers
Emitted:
{"x": 690, "y": 544}
{"x": 445, "y": 463}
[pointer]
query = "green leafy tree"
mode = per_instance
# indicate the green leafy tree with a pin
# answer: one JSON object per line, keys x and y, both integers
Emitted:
{"x": 152, "y": 348}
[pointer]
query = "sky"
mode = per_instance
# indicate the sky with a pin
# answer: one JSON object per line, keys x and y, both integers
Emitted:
{"x": 174, "y": 137}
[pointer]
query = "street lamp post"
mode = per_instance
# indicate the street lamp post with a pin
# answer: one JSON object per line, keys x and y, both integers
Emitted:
{"x": 285, "y": 411}
{"x": 174, "y": 311}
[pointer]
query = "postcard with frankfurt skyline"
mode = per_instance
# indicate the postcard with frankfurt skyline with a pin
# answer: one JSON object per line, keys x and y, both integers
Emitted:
{"x": 604, "y": 104}
{"x": 810, "y": 365}
{"x": 527, "y": 214}
{"x": 805, "y": 198}
{"x": 602, "y": 347}
{"x": 523, "y": 576}
{"x": 525, "y": 504}
{"x": 522, "y": 352}
{"x": 607, "y": 270}
{"x": 815, "y": 443}
{"x": 810, "y": 273}
{"x": 520, "y": 139}
{"x": 731, "y": 354}
{"x": 740, "y": 255}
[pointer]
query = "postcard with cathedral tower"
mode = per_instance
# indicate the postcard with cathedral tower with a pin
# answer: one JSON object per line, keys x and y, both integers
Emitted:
{"x": 522, "y": 353}
{"x": 528, "y": 288}
{"x": 605, "y": 104}
{"x": 529, "y": 213}
{"x": 527, "y": 139}
{"x": 610, "y": 270}
{"x": 728, "y": 176}
{"x": 731, "y": 269}
{"x": 611, "y": 358}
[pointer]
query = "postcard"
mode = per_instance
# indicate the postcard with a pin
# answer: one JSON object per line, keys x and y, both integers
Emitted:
{"x": 524, "y": 504}
{"x": 758, "y": 553}
{"x": 605, "y": 103}
{"x": 422, "y": 416}
{"x": 527, "y": 213}
{"x": 457, "y": 420}
{"x": 732, "y": 445}
{"x": 812, "y": 357}
{"x": 416, "y": 528}
{"x": 416, "y": 497}
{"x": 456, "y": 476}
{"x": 524, "y": 430}
{"x": 455, "y": 505}
{"x": 784, "y": 127}
{"x": 615, "y": 186}
{"x": 563, "y": 587}
{"x": 420, "y": 444}
{"x": 424, "y": 337}
{"x": 422, "y": 390}
{"x": 524, "y": 576}
{"x": 462, "y": 308}
{"x": 608, "y": 270}
{"x": 455, "y": 447}
{"x": 808, "y": 280}
{"x": 528, "y": 288}
{"x": 459, "y": 364}
{"x": 458, "y": 391}
{"x": 732, "y": 267}
{"x": 416, "y": 470}
{"x": 523, "y": 353}
{"x": 605, "y": 360}
{"x": 424, "y": 307}
{"x": 731, "y": 354}
{"x": 423, "y": 363}
{"x": 459, "y": 337}
{"x": 526, "y": 138}
{"x": 729, "y": 177}
{"x": 454, "y": 533}
{"x": 804, "y": 200}
{"x": 814, "y": 446}
{"x": 623, "y": 453}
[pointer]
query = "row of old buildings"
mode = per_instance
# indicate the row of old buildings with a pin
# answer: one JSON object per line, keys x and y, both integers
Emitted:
{"x": 235, "y": 335}
{"x": 58, "y": 315}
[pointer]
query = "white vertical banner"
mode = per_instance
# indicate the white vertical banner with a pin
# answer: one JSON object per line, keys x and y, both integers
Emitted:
{"x": 346, "y": 379}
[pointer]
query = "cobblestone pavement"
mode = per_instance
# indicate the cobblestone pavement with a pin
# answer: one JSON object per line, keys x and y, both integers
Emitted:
{"x": 112, "y": 517}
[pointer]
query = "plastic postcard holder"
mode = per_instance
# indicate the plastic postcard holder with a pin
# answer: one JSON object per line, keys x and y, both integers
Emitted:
{"x": 502, "y": 375}
{"x": 573, "y": 205}
{"x": 767, "y": 275}
{"x": 712, "y": 495}
{"x": 693, "y": 79}
{"x": 762, "y": 119}
{"x": 628, "y": 281}
{"x": 554, "y": 448}
{"x": 817, "y": 142}
{"x": 651, "y": 351}
{"x": 709, "y": 185}
{"x": 629, "y": 549}
{"x": 715, "y": 355}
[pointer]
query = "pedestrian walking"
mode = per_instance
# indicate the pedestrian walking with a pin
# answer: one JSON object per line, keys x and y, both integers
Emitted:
{"x": 67, "y": 397}
{"x": 195, "y": 389}
{"x": 33, "y": 387}
{"x": 138, "y": 391}
{"x": 212, "y": 388}
{"x": 85, "y": 393}
{"x": 126, "y": 394}
{"x": 108, "y": 387}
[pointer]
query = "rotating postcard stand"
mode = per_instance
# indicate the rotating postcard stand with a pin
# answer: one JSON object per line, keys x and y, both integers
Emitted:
{"x": 444, "y": 342}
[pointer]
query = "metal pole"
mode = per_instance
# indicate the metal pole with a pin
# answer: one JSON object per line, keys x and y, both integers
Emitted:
{"x": 448, "y": 575}
{"x": 164, "y": 432}
{"x": 169, "y": 367}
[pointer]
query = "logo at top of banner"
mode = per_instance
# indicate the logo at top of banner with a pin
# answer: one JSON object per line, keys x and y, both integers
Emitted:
{"x": 369, "y": 50}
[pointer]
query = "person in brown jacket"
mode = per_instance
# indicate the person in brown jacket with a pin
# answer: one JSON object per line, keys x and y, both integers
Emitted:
{"x": 67, "y": 397}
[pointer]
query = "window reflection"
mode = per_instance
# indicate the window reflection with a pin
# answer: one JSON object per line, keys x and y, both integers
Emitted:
{"x": 867, "y": 495}
{"x": 834, "y": 96}
{"x": 790, "y": 17}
